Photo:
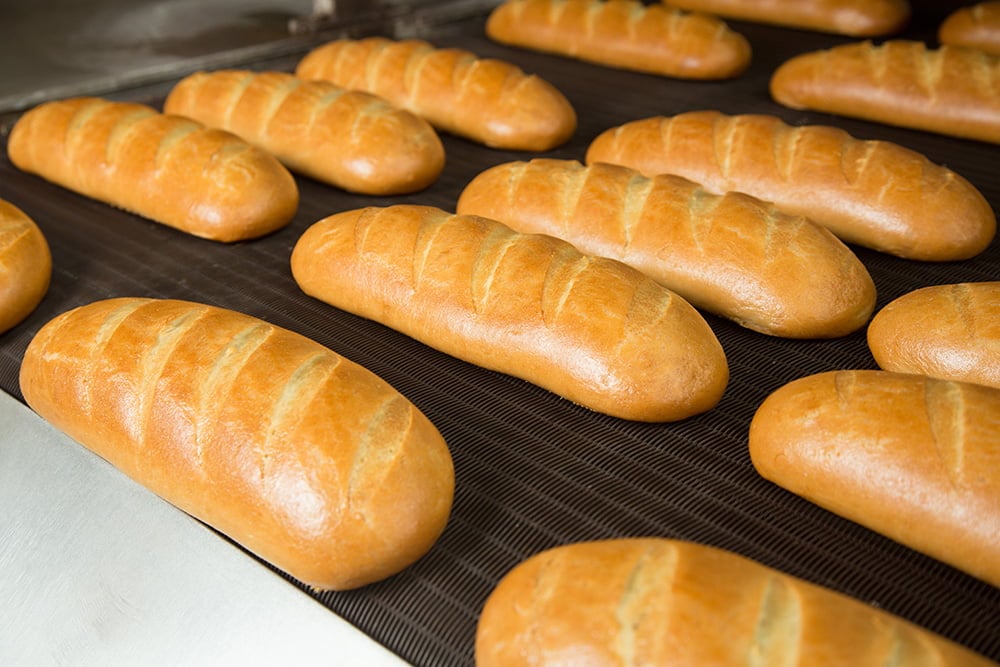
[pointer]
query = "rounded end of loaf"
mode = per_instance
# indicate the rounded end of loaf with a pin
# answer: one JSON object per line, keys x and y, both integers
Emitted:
{"x": 560, "y": 120}
{"x": 679, "y": 44}
{"x": 727, "y": 58}
{"x": 25, "y": 266}
{"x": 396, "y": 505}
{"x": 509, "y": 109}
{"x": 976, "y": 26}
{"x": 869, "y": 18}
{"x": 240, "y": 193}
{"x": 923, "y": 212}
{"x": 386, "y": 150}
{"x": 637, "y": 144}
{"x": 839, "y": 80}
{"x": 794, "y": 80}
{"x": 686, "y": 378}
{"x": 949, "y": 332}
{"x": 304, "y": 458}
{"x": 809, "y": 285}
{"x": 313, "y": 65}
{"x": 643, "y": 352}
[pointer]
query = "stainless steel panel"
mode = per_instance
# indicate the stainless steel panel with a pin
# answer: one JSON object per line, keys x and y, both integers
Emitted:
{"x": 95, "y": 570}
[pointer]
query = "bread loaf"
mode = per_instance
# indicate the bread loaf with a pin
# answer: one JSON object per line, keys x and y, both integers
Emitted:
{"x": 875, "y": 194}
{"x": 349, "y": 139}
{"x": 655, "y": 601}
{"x": 976, "y": 26}
{"x": 301, "y": 456}
{"x": 625, "y": 34}
{"x": 950, "y": 332}
{"x": 908, "y": 456}
{"x": 951, "y": 90}
{"x": 731, "y": 254}
{"x": 486, "y": 100}
{"x": 25, "y": 265}
{"x": 591, "y": 330}
{"x": 172, "y": 170}
{"x": 857, "y": 18}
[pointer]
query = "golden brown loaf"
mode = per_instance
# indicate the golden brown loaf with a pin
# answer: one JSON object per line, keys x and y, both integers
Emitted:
{"x": 655, "y": 601}
{"x": 951, "y": 332}
{"x": 486, "y": 100}
{"x": 872, "y": 193}
{"x": 858, "y": 18}
{"x": 626, "y": 34}
{"x": 303, "y": 457}
{"x": 591, "y": 330}
{"x": 25, "y": 265}
{"x": 908, "y": 456}
{"x": 951, "y": 90}
{"x": 169, "y": 169}
{"x": 346, "y": 138}
{"x": 731, "y": 254}
{"x": 976, "y": 26}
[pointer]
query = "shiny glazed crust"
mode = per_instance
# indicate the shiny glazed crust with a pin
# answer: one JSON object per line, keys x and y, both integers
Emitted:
{"x": 908, "y": 456}
{"x": 652, "y": 601}
{"x": 626, "y": 34}
{"x": 486, "y": 100}
{"x": 349, "y": 139}
{"x": 25, "y": 265}
{"x": 951, "y": 90}
{"x": 591, "y": 330}
{"x": 303, "y": 457}
{"x": 730, "y": 254}
{"x": 872, "y": 193}
{"x": 951, "y": 332}
{"x": 172, "y": 170}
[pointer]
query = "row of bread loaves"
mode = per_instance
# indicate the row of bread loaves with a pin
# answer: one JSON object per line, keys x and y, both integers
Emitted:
{"x": 949, "y": 90}
{"x": 315, "y": 488}
{"x": 215, "y": 163}
{"x": 912, "y": 453}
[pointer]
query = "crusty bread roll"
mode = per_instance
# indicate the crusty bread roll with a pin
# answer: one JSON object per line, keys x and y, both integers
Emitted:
{"x": 950, "y": 332}
{"x": 857, "y": 18}
{"x": 871, "y": 193}
{"x": 486, "y": 100}
{"x": 951, "y": 90}
{"x": 976, "y": 26}
{"x": 346, "y": 138}
{"x": 626, "y": 34}
{"x": 172, "y": 170}
{"x": 908, "y": 456}
{"x": 656, "y": 601}
{"x": 591, "y": 330}
{"x": 303, "y": 457}
{"x": 731, "y": 254}
{"x": 25, "y": 265}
